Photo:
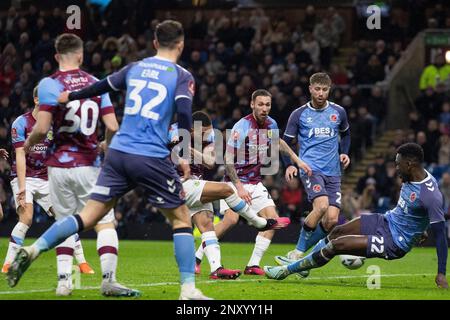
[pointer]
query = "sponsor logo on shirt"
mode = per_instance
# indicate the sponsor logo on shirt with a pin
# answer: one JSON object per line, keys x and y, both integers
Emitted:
{"x": 333, "y": 118}
{"x": 412, "y": 196}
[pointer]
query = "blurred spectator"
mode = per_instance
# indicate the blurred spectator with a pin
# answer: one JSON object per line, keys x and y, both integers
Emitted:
{"x": 292, "y": 198}
{"x": 369, "y": 197}
{"x": 444, "y": 150}
{"x": 434, "y": 73}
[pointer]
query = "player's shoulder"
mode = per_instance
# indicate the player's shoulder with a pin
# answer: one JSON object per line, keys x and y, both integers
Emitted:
{"x": 49, "y": 81}
{"x": 299, "y": 110}
{"x": 272, "y": 123}
{"x": 19, "y": 121}
{"x": 244, "y": 122}
{"x": 429, "y": 188}
{"x": 336, "y": 107}
{"x": 182, "y": 72}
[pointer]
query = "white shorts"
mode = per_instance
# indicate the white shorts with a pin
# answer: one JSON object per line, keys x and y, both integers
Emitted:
{"x": 193, "y": 189}
{"x": 36, "y": 189}
{"x": 260, "y": 197}
{"x": 70, "y": 189}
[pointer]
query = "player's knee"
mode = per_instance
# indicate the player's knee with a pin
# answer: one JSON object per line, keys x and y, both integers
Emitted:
{"x": 338, "y": 245}
{"x": 231, "y": 218}
{"x": 227, "y": 190}
{"x": 323, "y": 208}
{"x": 336, "y": 232}
{"x": 26, "y": 219}
{"x": 330, "y": 223}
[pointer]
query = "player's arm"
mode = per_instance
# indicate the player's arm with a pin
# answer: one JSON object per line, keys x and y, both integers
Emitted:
{"x": 289, "y": 138}
{"x": 48, "y": 92}
{"x": 184, "y": 94}
{"x": 109, "y": 119}
{"x": 286, "y": 150}
{"x": 43, "y": 124}
{"x": 18, "y": 140}
{"x": 433, "y": 201}
{"x": 233, "y": 145}
{"x": 344, "y": 144}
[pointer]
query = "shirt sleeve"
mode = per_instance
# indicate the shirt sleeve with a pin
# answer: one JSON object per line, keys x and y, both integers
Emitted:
{"x": 185, "y": 86}
{"x": 344, "y": 125}
{"x": 238, "y": 134}
{"x": 106, "y": 106}
{"x": 292, "y": 127}
{"x": 118, "y": 80}
{"x": 433, "y": 201}
{"x": 18, "y": 132}
{"x": 48, "y": 92}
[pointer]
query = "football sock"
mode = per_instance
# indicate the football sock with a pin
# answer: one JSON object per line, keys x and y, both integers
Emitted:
{"x": 261, "y": 246}
{"x": 184, "y": 249}
{"x": 211, "y": 248}
{"x": 107, "y": 248}
{"x": 16, "y": 241}
{"x": 58, "y": 232}
{"x": 313, "y": 260}
{"x": 79, "y": 252}
{"x": 241, "y": 207}
{"x": 64, "y": 259}
{"x": 304, "y": 238}
{"x": 199, "y": 254}
{"x": 319, "y": 245}
{"x": 318, "y": 233}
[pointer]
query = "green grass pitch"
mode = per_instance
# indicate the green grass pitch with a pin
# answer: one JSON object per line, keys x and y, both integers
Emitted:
{"x": 150, "y": 267}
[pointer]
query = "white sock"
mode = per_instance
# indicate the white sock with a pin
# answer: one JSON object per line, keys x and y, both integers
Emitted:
{"x": 261, "y": 246}
{"x": 107, "y": 248}
{"x": 212, "y": 249}
{"x": 241, "y": 207}
{"x": 200, "y": 252}
{"x": 16, "y": 241}
{"x": 64, "y": 259}
{"x": 79, "y": 253}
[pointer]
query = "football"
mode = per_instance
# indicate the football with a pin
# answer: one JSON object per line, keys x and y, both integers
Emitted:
{"x": 352, "y": 262}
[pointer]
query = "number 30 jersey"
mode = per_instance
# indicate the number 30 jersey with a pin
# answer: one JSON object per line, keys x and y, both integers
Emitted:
{"x": 75, "y": 123}
{"x": 153, "y": 85}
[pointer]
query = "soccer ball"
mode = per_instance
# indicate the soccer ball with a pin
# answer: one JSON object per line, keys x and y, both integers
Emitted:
{"x": 351, "y": 262}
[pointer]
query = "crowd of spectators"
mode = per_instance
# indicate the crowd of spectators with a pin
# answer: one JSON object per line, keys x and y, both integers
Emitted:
{"x": 230, "y": 53}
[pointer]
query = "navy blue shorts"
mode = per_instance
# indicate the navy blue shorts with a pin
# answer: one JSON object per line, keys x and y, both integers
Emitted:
{"x": 320, "y": 185}
{"x": 122, "y": 172}
{"x": 381, "y": 243}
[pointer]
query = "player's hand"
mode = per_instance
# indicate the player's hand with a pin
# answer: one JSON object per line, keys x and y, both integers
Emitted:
{"x": 291, "y": 172}
{"x": 441, "y": 281}
{"x": 103, "y": 147}
{"x": 244, "y": 194}
{"x": 305, "y": 167}
{"x": 4, "y": 154}
{"x": 21, "y": 197}
{"x": 345, "y": 160}
{"x": 64, "y": 97}
{"x": 423, "y": 237}
{"x": 185, "y": 168}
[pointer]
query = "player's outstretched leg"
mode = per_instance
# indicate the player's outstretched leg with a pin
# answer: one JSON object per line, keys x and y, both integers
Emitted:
{"x": 81, "y": 259}
{"x": 348, "y": 244}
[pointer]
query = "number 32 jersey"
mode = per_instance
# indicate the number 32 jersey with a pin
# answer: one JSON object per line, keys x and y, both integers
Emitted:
{"x": 75, "y": 123}
{"x": 153, "y": 85}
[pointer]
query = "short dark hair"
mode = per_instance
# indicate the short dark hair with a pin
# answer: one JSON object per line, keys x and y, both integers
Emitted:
{"x": 67, "y": 43}
{"x": 35, "y": 92}
{"x": 411, "y": 151}
{"x": 320, "y": 78}
{"x": 168, "y": 33}
{"x": 202, "y": 117}
{"x": 260, "y": 92}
